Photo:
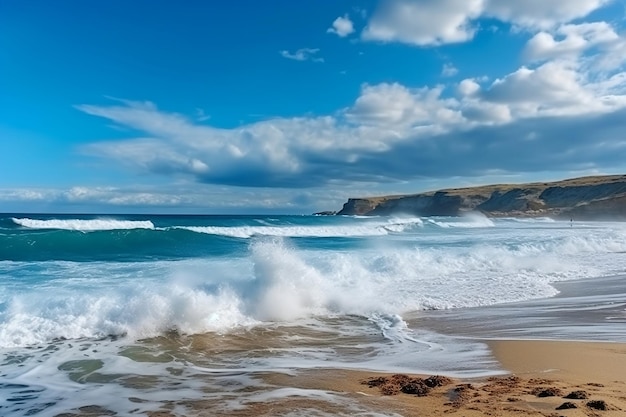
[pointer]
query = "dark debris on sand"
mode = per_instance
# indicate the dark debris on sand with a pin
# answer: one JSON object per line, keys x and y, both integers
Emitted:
{"x": 398, "y": 383}
{"x": 503, "y": 395}
{"x": 566, "y": 405}
{"x": 598, "y": 405}
{"x": 577, "y": 395}
{"x": 462, "y": 394}
{"x": 547, "y": 392}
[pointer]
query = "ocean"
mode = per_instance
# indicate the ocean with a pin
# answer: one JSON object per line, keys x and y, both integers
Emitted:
{"x": 179, "y": 315}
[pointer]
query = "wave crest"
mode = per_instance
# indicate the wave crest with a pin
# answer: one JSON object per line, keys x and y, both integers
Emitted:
{"x": 83, "y": 225}
{"x": 359, "y": 230}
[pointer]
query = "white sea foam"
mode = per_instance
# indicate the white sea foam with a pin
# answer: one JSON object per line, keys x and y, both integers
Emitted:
{"x": 346, "y": 306}
{"x": 136, "y": 311}
{"x": 468, "y": 221}
{"x": 280, "y": 282}
{"x": 530, "y": 219}
{"x": 83, "y": 225}
{"x": 395, "y": 225}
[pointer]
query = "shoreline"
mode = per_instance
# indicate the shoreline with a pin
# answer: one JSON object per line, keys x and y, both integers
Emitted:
{"x": 585, "y": 310}
{"x": 546, "y": 349}
{"x": 541, "y": 374}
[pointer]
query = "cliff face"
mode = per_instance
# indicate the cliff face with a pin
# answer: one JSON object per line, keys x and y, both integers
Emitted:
{"x": 599, "y": 197}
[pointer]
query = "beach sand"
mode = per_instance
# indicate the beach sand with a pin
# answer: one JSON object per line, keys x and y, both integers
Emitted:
{"x": 542, "y": 374}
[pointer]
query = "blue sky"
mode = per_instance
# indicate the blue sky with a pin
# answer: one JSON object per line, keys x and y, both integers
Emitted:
{"x": 288, "y": 106}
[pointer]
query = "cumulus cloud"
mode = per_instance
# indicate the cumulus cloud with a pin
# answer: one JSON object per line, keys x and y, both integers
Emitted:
{"x": 426, "y": 22}
{"x": 303, "y": 54}
{"x": 572, "y": 85}
{"x": 391, "y": 132}
{"x": 342, "y": 27}
{"x": 541, "y": 14}
{"x": 468, "y": 87}
{"x": 554, "y": 89}
{"x": 570, "y": 40}
{"x": 265, "y": 153}
{"x": 436, "y": 22}
{"x": 594, "y": 47}
{"x": 395, "y": 106}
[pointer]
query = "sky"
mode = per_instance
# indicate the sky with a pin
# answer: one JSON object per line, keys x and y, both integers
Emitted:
{"x": 282, "y": 106}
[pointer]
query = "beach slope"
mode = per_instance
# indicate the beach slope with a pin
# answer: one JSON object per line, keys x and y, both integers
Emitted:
{"x": 547, "y": 378}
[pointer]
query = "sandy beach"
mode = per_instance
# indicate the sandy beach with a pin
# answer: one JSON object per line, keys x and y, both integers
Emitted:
{"x": 541, "y": 377}
{"x": 547, "y": 378}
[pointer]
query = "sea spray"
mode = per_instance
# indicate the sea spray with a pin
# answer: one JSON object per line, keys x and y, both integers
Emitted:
{"x": 167, "y": 310}
{"x": 284, "y": 286}
{"x": 277, "y": 279}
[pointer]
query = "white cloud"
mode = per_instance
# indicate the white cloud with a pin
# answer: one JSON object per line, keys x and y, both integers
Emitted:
{"x": 170, "y": 197}
{"x": 593, "y": 47}
{"x": 486, "y": 113}
{"x": 436, "y": 22}
{"x": 397, "y": 107}
{"x": 468, "y": 87}
{"x": 569, "y": 41}
{"x": 342, "y": 26}
{"x": 303, "y": 54}
{"x": 541, "y": 14}
{"x": 264, "y": 152}
{"x": 553, "y": 89}
{"x": 449, "y": 70}
{"x": 426, "y": 22}
{"x": 554, "y": 84}
{"x": 26, "y": 194}
{"x": 390, "y": 131}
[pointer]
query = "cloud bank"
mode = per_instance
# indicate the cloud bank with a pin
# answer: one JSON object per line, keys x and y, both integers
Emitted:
{"x": 519, "y": 122}
{"x": 562, "y": 109}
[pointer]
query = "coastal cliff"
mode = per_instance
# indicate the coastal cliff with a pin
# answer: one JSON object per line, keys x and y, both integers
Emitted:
{"x": 598, "y": 197}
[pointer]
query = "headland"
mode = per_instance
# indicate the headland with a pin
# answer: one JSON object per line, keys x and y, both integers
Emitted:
{"x": 589, "y": 198}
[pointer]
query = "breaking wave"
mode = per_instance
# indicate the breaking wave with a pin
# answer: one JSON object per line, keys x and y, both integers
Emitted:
{"x": 275, "y": 281}
{"x": 83, "y": 225}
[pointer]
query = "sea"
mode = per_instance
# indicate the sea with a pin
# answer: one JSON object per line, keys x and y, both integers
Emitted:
{"x": 168, "y": 315}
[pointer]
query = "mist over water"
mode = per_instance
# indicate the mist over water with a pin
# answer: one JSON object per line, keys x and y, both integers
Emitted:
{"x": 151, "y": 296}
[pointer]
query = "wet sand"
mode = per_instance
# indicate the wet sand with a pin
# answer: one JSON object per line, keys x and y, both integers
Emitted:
{"x": 542, "y": 375}
{"x": 546, "y": 379}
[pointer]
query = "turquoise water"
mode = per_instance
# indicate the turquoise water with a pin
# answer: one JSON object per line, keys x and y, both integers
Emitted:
{"x": 104, "y": 310}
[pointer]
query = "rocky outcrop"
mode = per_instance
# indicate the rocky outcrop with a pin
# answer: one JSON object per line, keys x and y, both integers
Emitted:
{"x": 598, "y": 197}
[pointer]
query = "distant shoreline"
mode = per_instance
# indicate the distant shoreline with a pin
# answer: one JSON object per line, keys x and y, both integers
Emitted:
{"x": 588, "y": 198}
